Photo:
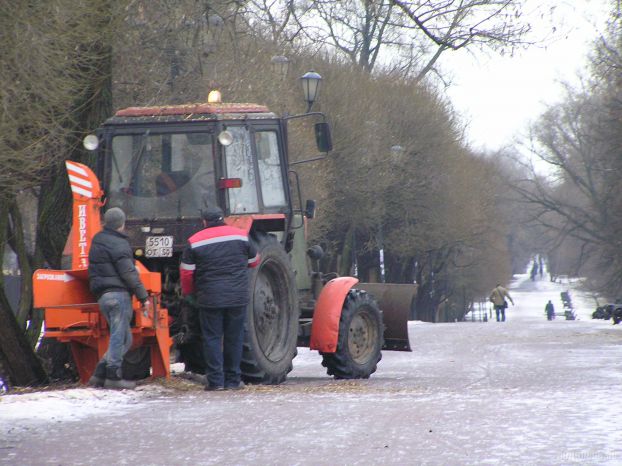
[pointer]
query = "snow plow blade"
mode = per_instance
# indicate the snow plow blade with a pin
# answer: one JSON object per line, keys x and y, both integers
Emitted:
{"x": 396, "y": 302}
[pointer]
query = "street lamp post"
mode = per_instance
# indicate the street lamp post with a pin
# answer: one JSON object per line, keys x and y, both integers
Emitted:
{"x": 280, "y": 65}
{"x": 311, "y": 87}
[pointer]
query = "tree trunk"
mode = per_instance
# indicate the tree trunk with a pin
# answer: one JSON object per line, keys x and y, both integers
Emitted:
{"x": 19, "y": 362}
{"x": 21, "y": 365}
{"x": 345, "y": 266}
{"x": 18, "y": 244}
{"x": 27, "y": 317}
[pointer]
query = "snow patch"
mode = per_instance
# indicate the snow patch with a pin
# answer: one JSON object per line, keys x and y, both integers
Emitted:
{"x": 67, "y": 405}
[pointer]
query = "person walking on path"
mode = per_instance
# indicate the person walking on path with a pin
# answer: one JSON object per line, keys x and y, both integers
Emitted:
{"x": 550, "y": 310}
{"x": 113, "y": 279}
{"x": 214, "y": 266}
{"x": 498, "y": 299}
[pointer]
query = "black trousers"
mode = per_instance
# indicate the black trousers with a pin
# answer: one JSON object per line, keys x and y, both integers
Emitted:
{"x": 223, "y": 336}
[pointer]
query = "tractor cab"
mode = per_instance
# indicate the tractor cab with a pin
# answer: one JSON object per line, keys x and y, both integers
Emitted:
{"x": 164, "y": 165}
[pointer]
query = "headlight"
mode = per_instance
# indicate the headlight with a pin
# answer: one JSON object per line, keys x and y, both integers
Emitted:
{"x": 90, "y": 142}
{"x": 225, "y": 138}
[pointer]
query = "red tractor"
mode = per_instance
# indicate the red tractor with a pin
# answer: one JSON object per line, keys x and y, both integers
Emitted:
{"x": 162, "y": 165}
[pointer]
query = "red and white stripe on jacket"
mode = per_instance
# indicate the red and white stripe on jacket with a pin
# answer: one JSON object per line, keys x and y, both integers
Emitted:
{"x": 219, "y": 235}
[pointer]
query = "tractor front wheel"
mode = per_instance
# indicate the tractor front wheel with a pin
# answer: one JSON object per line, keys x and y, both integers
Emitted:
{"x": 360, "y": 339}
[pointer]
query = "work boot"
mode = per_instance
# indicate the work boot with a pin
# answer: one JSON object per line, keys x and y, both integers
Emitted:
{"x": 99, "y": 375}
{"x": 214, "y": 388}
{"x": 114, "y": 380}
{"x": 238, "y": 386}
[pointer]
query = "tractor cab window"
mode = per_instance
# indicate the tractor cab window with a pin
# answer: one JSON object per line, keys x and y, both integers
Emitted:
{"x": 239, "y": 164}
{"x": 270, "y": 173}
{"x": 161, "y": 175}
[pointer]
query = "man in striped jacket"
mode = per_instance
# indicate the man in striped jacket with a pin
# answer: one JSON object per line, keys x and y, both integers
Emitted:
{"x": 214, "y": 269}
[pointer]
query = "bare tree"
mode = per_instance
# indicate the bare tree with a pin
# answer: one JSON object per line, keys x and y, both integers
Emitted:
{"x": 451, "y": 25}
{"x": 405, "y": 37}
{"x": 580, "y": 138}
{"x": 55, "y": 85}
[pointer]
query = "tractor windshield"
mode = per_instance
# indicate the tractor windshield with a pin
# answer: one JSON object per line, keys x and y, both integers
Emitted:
{"x": 162, "y": 175}
{"x": 239, "y": 164}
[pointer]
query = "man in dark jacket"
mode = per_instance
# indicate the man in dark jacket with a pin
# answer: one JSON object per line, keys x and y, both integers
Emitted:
{"x": 550, "y": 310}
{"x": 214, "y": 266}
{"x": 113, "y": 279}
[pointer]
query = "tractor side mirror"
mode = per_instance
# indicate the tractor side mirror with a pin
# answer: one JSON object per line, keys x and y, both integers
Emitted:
{"x": 322, "y": 137}
{"x": 310, "y": 209}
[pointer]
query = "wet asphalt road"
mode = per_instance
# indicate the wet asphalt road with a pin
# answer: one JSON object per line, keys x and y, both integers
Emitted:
{"x": 526, "y": 391}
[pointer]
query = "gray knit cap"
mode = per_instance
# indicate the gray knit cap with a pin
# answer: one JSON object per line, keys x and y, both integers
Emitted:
{"x": 114, "y": 218}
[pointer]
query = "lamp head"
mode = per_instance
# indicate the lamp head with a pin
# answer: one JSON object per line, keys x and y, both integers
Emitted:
{"x": 311, "y": 87}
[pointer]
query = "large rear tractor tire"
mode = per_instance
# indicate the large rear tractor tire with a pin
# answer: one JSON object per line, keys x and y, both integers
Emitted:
{"x": 271, "y": 330}
{"x": 360, "y": 339}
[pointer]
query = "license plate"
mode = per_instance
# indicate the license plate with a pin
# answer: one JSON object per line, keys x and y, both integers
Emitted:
{"x": 159, "y": 246}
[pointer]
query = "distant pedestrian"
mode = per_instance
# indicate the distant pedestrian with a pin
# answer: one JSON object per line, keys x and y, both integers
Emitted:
{"x": 534, "y": 270}
{"x": 498, "y": 299}
{"x": 214, "y": 266}
{"x": 550, "y": 310}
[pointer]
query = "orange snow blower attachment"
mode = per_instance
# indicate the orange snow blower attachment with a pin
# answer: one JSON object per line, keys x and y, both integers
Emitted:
{"x": 71, "y": 311}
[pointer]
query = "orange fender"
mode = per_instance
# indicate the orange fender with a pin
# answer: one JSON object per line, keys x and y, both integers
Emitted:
{"x": 325, "y": 326}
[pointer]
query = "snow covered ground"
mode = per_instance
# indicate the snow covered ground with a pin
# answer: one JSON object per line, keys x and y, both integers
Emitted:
{"x": 526, "y": 391}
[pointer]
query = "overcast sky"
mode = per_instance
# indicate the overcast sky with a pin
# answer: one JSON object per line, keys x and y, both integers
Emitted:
{"x": 498, "y": 96}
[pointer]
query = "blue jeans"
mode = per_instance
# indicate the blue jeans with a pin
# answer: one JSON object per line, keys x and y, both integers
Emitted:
{"x": 116, "y": 306}
{"x": 223, "y": 337}
{"x": 500, "y": 313}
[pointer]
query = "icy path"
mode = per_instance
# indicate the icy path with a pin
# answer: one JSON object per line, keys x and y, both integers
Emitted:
{"x": 526, "y": 391}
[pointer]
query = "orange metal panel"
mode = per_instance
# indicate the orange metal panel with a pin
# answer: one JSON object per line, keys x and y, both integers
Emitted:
{"x": 151, "y": 280}
{"x": 86, "y": 216}
{"x": 86, "y": 358}
{"x": 68, "y": 335}
{"x": 59, "y": 288}
{"x": 70, "y": 318}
